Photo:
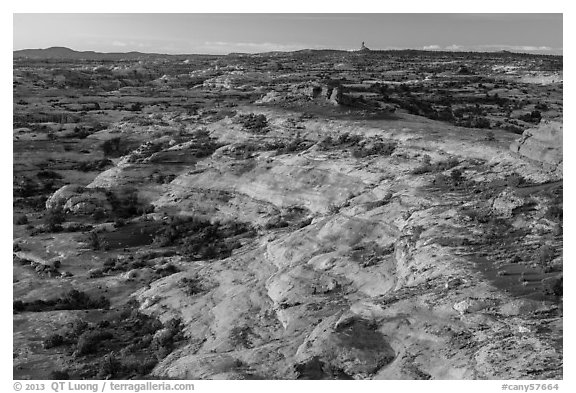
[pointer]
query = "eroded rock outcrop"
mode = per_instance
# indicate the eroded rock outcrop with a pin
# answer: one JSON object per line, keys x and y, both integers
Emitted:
{"x": 76, "y": 199}
{"x": 542, "y": 144}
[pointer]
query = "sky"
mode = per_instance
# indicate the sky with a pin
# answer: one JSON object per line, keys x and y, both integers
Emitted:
{"x": 225, "y": 33}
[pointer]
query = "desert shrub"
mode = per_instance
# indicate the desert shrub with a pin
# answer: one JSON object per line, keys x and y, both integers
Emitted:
{"x": 95, "y": 273}
{"x": 125, "y": 204}
{"x": 334, "y": 208}
{"x": 117, "y": 147}
{"x": 25, "y": 187}
{"x": 516, "y": 129}
{"x": 200, "y": 239}
{"x": 377, "y": 148}
{"x": 53, "y": 341}
{"x": 480, "y": 122}
{"x": 54, "y": 218}
{"x": 77, "y": 327}
{"x": 109, "y": 367}
{"x": 240, "y": 336}
{"x": 254, "y": 123}
{"x": 18, "y": 306}
{"x": 97, "y": 165}
{"x": 456, "y": 176}
{"x": 423, "y": 168}
{"x": 47, "y": 174}
{"x": 557, "y": 288}
{"x": 191, "y": 285}
{"x": 440, "y": 166}
{"x": 95, "y": 242}
{"x": 555, "y": 212}
{"x": 515, "y": 180}
{"x": 111, "y": 146}
{"x": 21, "y": 219}
{"x": 532, "y": 117}
{"x": 166, "y": 270}
{"x": 446, "y": 114}
{"x": 171, "y": 333}
{"x": 136, "y": 107}
{"x": 545, "y": 254}
{"x": 73, "y": 300}
{"x": 138, "y": 366}
{"x": 448, "y": 164}
{"x": 89, "y": 340}
{"x": 59, "y": 375}
{"x": 297, "y": 144}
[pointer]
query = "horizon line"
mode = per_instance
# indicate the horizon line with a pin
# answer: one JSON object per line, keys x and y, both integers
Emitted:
{"x": 390, "y": 49}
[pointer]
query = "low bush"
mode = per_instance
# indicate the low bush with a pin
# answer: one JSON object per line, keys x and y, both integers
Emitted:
{"x": 200, "y": 239}
{"x": 53, "y": 341}
{"x": 256, "y": 124}
{"x": 378, "y": 148}
{"x": 89, "y": 340}
{"x": 91, "y": 166}
{"x": 21, "y": 219}
{"x": 440, "y": 166}
{"x": 73, "y": 300}
{"x": 46, "y": 174}
{"x": 54, "y": 219}
{"x": 95, "y": 242}
{"x": 191, "y": 285}
{"x": 59, "y": 375}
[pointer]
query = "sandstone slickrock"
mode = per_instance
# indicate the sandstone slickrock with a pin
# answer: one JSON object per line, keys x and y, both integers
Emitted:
{"x": 74, "y": 198}
{"x": 542, "y": 144}
{"x": 373, "y": 283}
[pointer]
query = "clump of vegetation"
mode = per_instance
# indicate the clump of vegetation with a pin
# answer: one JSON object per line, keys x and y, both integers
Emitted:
{"x": 545, "y": 255}
{"x": 73, "y": 300}
{"x": 60, "y": 375}
{"x": 555, "y": 212}
{"x": 343, "y": 140}
{"x": 89, "y": 341}
{"x": 96, "y": 165}
{"x": 377, "y": 148}
{"x": 370, "y": 254}
{"x": 25, "y": 187}
{"x": 126, "y": 204}
{"x": 297, "y": 144}
{"x": 116, "y": 147}
{"x": 95, "y": 242}
{"x": 200, "y": 239}
{"x": 256, "y": 124}
{"x": 191, "y": 285}
{"x": 54, "y": 219}
{"x": 240, "y": 336}
{"x": 47, "y": 174}
{"x": 532, "y": 117}
{"x": 53, "y": 341}
{"x": 20, "y": 219}
{"x": 126, "y": 344}
{"x": 440, "y": 166}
